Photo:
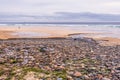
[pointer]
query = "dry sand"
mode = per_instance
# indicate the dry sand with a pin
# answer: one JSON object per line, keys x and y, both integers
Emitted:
{"x": 6, "y": 34}
{"x": 108, "y": 41}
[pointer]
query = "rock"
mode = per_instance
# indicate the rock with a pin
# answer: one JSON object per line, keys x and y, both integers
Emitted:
{"x": 56, "y": 67}
{"x": 93, "y": 68}
{"x": 32, "y": 58}
{"x": 83, "y": 65}
{"x": 49, "y": 79}
{"x": 77, "y": 79}
{"x": 105, "y": 79}
{"x": 86, "y": 77}
{"x": 65, "y": 55}
{"x": 70, "y": 72}
{"x": 17, "y": 49}
{"x": 2, "y": 60}
{"x": 47, "y": 68}
{"x": 59, "y": 79}
{"x": 100, "y": 76}
{"x": 25, "y": 61}
{"x": 69, "y": 78}
{"x": 77, "y": 74}
{"x": 30, "y": 76}
{"x": 118, "y": 68}
{"x": 61, "y": 67}
{"x": 43, "y": 49}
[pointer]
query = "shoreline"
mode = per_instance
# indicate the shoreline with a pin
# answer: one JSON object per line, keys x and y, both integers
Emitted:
{"x": 55, "y": 32}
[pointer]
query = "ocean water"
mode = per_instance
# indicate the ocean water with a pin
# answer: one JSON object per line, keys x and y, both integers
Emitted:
{"x": 88, "y": 29}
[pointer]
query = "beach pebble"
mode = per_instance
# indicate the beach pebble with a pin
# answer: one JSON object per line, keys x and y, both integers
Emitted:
{"x": 59, "y": 79}
{"x": 105, "y": 79}
{"x": 77, "y": 74}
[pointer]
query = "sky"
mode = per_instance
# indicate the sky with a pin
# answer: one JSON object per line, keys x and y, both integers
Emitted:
{"x": 47, "y": 8}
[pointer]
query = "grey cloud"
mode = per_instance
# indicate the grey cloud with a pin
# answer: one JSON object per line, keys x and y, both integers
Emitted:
{"x": 101, "y": 17}
{"x": 62, "y": 16}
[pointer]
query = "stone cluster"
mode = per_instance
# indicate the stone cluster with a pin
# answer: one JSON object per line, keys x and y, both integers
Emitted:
{"x": 58, "y": 59}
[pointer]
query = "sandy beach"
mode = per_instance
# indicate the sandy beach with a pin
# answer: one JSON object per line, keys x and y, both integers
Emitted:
{"x": 59, "y": 40}
{"x": 57, "y": 53}
{"x": 7, "y": 32}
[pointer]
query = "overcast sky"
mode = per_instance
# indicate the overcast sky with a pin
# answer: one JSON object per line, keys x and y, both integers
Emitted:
{"x": 51, "y": 6}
